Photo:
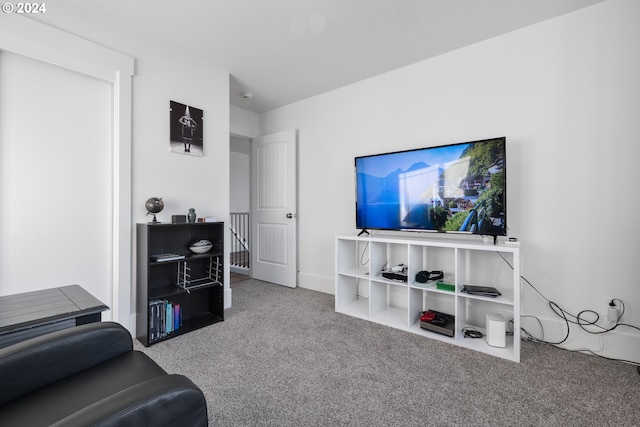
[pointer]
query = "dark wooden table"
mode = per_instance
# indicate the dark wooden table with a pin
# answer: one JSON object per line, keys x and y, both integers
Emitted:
{"x": 30, "y": 314}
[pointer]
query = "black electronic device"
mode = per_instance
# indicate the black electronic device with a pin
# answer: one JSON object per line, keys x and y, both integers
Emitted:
{"x": 485, "y": 291}
{"x": 399, "y": 276}
{"x": 397, "y": 273}
{"x": 428, "y": 276}
{"x": 441, "y": 323}
{"x": 457, "y": 188}
{"x": 439, "y": 320}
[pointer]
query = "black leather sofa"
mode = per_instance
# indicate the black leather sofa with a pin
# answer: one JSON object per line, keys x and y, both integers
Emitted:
{"x": 90, "y": 375}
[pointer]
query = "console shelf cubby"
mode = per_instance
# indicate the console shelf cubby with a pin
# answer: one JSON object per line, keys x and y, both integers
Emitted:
{"x": 361, "y": 290}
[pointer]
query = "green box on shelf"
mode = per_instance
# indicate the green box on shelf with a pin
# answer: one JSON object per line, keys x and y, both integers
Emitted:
{"x": 445, "y": 286}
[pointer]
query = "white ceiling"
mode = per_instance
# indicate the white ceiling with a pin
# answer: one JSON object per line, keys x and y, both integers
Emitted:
{"x": 288, "y": 50}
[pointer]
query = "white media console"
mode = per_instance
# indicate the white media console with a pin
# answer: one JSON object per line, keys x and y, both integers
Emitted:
{"x": 361, "y": 291}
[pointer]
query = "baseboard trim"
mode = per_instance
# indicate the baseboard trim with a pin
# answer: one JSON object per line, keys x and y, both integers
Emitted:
{"x": 227, "y": 298}
{"x": 617, "y": 344}
{"x": 316, "y": 282}
{"x": 240, "y": 270}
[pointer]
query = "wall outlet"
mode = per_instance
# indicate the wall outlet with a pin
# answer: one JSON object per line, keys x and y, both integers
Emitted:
{"x": 607, "y": 312}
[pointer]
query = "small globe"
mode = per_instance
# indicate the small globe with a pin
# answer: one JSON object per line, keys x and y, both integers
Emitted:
{"x": 154, "y": 205}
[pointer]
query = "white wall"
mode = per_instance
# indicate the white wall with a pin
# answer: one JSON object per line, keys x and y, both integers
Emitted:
{"x": 240, "y": 174}
{"x": 566, "y": 94}
{"x": 163, "y": 73}
{"x": 35, "y": 229}
{"x": 244, "y": 123}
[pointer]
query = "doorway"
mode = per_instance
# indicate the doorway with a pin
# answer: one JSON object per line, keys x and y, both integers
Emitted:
{"x": 263, "y": 202}
{"x": 239, "y": 205}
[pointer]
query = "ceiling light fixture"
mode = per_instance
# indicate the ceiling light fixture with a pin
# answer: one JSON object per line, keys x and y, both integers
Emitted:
{"x": 247, "y": 95}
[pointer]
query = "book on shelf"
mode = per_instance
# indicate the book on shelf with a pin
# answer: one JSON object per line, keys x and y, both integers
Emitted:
{"x": 165, "y": 318}
{"x": 166, "y": 257}
{"x": 168, "y": 323}
{"x": 177, "y": 317}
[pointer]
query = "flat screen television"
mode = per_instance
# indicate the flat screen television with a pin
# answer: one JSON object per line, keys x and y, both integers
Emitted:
{"x": 457, "y": 188}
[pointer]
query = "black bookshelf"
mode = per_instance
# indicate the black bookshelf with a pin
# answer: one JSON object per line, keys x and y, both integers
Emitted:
{"x": 183, "y": 294}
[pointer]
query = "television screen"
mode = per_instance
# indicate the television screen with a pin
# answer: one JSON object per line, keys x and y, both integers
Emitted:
{"x": 450, "y": 188}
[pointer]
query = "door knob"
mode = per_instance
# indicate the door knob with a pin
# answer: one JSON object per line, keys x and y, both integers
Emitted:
{"x": 290, "y": 215}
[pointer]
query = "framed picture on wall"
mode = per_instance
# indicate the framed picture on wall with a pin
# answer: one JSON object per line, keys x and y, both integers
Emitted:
{"x": 186, "y": 125}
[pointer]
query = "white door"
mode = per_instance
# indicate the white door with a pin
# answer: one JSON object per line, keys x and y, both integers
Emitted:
{"x": 273, "y": 209}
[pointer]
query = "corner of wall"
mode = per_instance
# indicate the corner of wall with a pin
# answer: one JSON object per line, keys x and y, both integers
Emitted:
{"x": 243, "y": 123}
{"x": 315, "y": 282}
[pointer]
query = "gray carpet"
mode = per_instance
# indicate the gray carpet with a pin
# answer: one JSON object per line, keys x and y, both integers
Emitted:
{"x": 283, "y": 357}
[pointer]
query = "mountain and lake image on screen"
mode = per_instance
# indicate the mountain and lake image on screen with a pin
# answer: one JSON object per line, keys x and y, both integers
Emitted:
{"x": 449, "y": 188}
